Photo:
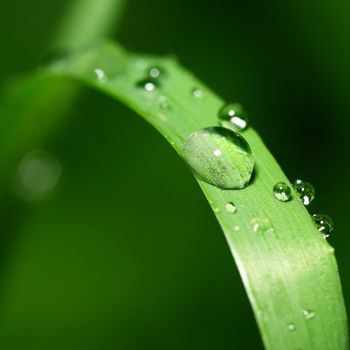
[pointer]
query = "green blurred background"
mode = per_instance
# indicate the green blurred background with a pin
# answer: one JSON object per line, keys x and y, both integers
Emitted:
{"x": 126, "y": 254}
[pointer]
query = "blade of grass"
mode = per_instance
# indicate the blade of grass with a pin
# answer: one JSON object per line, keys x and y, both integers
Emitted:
{"x": 288, "y": 269}
{"x": 87, "y": 21}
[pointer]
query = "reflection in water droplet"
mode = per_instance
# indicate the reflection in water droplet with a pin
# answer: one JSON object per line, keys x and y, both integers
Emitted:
{"x": 324, "y": 224}
{"x": 261, "y": 225}
{"x": 291, "y": 327}
{"x": 230, "y": 207}
{"x": 38, "y": 174}
{"x": 220, "y": 157}
{"x": 100, "y": 75}
{"x": 308, "y": 314}
{"x": 233, "y": 116}
{"x": 305, "y": 191}
{"x": 282, "y": 192}
{"x": 198, "y": 93}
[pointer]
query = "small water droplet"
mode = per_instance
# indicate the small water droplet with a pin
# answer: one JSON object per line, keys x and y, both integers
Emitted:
{"x": 324, "y": 224}
{"x": 100, "y": 75}
{"x": 217, "y": 152}
{"x": 148, "y": 84}
{"x": 230, "y": 207}
{"x": 164, "y": 106}
{"x": 237, "y": 228}
{"x": 220, "y": 157}
{"x": 291, "y": 327}
{"x": 261, "y": 225}
{"x": 232, "y": 115}
{"x": 305, "y": 191}
{"x": 197, "y": 93}
{"x": 282, "y": 192}
{"x": 38, "y": 174}
{"x": 308, "y": 314}
{"x": 155, "y": 72}
{"x": 163, "y": 103}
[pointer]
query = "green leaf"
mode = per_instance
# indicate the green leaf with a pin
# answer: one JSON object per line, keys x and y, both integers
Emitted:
{"x": 288, "y": 269}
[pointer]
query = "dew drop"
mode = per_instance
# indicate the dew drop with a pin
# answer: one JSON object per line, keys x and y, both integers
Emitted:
{"x": 217, "y": 152}
{"x": 220, "y": 157}
{"x": 324, "y": 224}
{"x": 148, "y": 84}
{"x": 308, "y": 314}
{"x": 291, "y": 327}
{"x": 230, "y": 207}
{"x": 155, "y": 72}
{"x": 150, "y": 87}
{"x": 38, "y": 174}
{"x": 305, "y": 191}
{"x": 163, "y": 103}
{"x": 164, "y": 106}
{"x": 232, "y": 115}
{"x": 261, "y": 225}
{"x": 197, "y": 93}
{"x": 100, "y": 75}
{"x": 237, "y": 228}
{"x": 282, "y": 192}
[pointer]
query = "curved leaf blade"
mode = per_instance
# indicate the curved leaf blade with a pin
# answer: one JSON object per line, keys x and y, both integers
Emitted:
{"x": 288, "y": 269}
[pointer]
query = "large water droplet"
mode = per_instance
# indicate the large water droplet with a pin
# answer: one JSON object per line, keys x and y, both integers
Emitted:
{"x": 309, "y": 314}
{"x": 230, "y": 207}
{"x": 324, "y": 224}
{"x": 220, "y": 157}
{"x": 38, "y": 174}
{"x": 305, "y": 191}
{"x": 282, "y": 192}
{"x": 232, "y": 115}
